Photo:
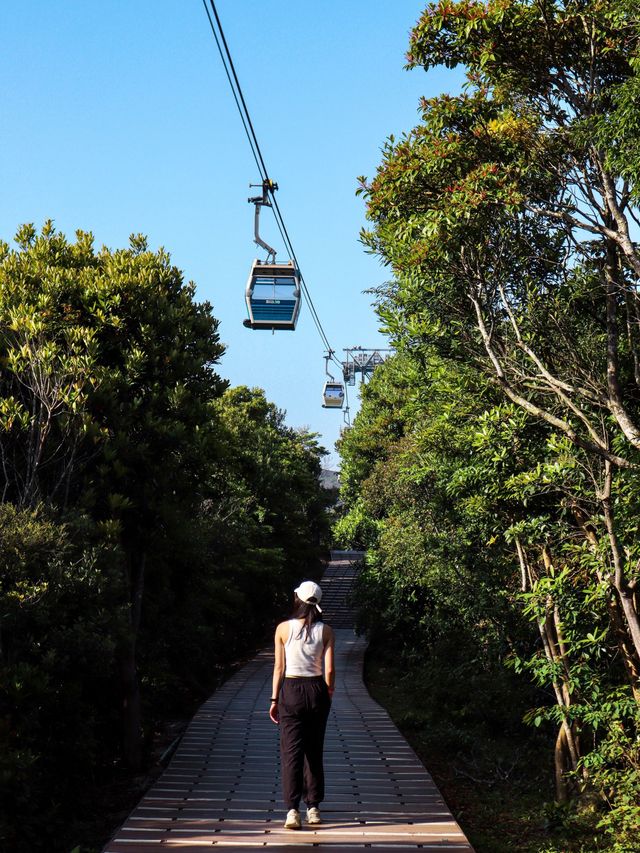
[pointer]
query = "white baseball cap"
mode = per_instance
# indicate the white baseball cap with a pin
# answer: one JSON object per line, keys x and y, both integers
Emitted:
{"x": 307, "y": 590}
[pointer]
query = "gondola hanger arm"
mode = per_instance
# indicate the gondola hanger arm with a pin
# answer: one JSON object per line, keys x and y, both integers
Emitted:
{"x": 262, "y": 201}
{"x": 326, "y": 365}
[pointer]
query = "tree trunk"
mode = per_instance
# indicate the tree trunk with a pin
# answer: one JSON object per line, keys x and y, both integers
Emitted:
{"x": 616, "y": 404}
{"x": 620, "y": 580}
{"x": 555, "y": 650}
{"x": 630, "y": 660}
{"x": 561, "y": 691}
{"x": 131, "y": 710}
{"x": 560, "y": 766}
{"x": 567, "y": 746}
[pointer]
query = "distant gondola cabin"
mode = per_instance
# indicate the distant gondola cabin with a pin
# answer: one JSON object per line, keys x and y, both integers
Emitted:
{"x": 333, "y": 395}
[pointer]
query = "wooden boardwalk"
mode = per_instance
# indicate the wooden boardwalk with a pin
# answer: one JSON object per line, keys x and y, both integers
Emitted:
{"x": 222, "y": 787}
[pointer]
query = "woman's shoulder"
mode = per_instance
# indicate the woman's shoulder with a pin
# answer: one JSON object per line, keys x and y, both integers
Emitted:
{"x": 327, "y": 632}
{"x": 282, "y": 629}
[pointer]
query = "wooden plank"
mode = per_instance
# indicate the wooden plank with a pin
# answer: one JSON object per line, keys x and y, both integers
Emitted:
{"x": 196, "y": 846}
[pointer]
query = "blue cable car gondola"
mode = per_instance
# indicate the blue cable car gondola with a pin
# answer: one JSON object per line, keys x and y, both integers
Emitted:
{"x": 273, "y": 290}
{"x": 272, "y": 296}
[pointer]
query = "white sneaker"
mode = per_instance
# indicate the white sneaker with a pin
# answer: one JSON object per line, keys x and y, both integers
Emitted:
{"x": 293, "y": 819}
{"x": 313, "y": 816}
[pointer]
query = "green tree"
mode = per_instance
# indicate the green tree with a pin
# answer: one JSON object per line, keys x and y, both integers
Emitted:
{"x": 144, "y": 511}
{"x": 507, "y": 217}
{"x": 109, "y": 374}
{"x": 223, "y": 573}
{"x": 275, "y": 474}
{"x": 508, "y": 224}
{"x": 462, "y": 502}
{"x": 61, "y": 619}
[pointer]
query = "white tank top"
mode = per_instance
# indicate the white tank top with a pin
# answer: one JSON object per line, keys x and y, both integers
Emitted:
{"x": 303, "y": 656}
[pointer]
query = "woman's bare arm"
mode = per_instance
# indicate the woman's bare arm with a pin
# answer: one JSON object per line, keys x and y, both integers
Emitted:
{"x": 329, "y": 639}
{"x": 278, "y": 670}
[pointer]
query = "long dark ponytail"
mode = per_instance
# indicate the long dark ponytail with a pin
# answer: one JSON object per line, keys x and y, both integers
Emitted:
{"x": 308, "y": 611}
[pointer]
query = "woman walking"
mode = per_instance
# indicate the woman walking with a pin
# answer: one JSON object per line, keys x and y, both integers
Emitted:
{"x": 303, "y": 684}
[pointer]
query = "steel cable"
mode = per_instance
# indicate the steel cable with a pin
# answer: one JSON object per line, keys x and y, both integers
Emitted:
{"x": 236, "y": 89}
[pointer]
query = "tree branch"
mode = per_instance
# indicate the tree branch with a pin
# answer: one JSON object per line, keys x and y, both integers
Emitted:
{"x": 560, "y": 424}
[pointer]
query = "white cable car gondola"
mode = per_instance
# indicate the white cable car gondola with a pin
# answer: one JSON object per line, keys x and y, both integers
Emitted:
{"x": 272, "y": 293}
{"x": 332, "y": 395}
{"x": 332, "y": 392}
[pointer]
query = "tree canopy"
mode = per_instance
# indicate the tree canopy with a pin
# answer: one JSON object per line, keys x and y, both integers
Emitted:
{"x": 507, "y": 217}
{"x": 144, "y": 504}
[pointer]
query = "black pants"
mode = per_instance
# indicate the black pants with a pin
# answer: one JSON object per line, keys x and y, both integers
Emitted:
{"x": 304, "y": 708}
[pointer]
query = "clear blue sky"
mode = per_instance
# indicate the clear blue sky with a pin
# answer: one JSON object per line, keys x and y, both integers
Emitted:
{"x": 117, "y": 118}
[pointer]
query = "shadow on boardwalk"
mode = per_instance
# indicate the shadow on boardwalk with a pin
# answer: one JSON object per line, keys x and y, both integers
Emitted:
{"x": 222, "y": 788}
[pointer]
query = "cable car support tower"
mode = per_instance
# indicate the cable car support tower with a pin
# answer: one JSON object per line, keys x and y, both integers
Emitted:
{"x": 363, "y": 361}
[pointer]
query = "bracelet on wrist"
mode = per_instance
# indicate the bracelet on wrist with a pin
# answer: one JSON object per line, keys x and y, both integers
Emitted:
{"x": 273, "y": 701}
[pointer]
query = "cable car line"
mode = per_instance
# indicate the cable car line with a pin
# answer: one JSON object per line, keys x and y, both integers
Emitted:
{"x": 268, "y": 185}
{"x": 256, "y": 157}
{"x": 236, "y": 89}
{"x": 241, "y": 104}
{"x": 314, "y": 314}
{"x": 277, "y": 275}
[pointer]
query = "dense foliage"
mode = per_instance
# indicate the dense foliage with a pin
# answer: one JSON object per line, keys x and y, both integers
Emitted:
{"x": 151, "y": 523}
{"x": 494, "y": 471}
